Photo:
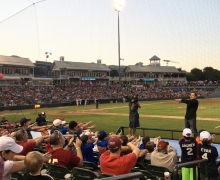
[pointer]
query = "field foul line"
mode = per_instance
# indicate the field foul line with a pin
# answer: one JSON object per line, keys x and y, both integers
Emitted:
{"x": 118, "y": 107}
{"x": 155, "y": 116}
{"x": 7, "y": 114}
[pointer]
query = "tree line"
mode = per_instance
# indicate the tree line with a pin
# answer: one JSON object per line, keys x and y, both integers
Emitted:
{"x": 208, "y": 73}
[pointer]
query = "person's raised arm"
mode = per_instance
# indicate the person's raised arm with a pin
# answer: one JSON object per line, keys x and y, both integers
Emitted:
{"x": 78, "y": 150}
{"x": 17, "y": 166}
{"x": 134, "y": 149}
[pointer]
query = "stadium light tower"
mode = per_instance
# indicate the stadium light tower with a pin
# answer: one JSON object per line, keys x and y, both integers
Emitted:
{"x": 118, "y": 5}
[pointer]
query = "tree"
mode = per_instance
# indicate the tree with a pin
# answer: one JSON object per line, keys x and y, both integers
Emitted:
{"x": 114, "y": 73}
{"x": 190, "y": 77}
{"x": 211, "y": 74}
{"x": 198, "y": 74}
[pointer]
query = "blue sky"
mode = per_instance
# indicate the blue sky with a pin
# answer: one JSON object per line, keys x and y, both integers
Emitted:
{"x": 186, "y": 31}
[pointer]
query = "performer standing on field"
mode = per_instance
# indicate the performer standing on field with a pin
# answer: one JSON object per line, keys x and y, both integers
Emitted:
{"x": 192, "y": 106}
{"x": 133, "y": 115}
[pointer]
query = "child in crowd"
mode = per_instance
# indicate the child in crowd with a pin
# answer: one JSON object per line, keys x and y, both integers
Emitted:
{"x": 102, "y": 143}
{"x": 209, "y": 152}
{"x": 150, "y": 148}
{"x": 188, "y": 146}
{"x": 33, "y": 163}
{"x": 87, "y": 148}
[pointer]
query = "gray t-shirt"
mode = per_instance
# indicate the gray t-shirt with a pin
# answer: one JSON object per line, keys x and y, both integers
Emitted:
{"x": 7, "y": 166}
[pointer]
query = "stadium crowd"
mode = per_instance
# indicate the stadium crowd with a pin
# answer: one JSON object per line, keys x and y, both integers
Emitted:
{"x": 76, "y": 144}
{"x": 28, "y": 95}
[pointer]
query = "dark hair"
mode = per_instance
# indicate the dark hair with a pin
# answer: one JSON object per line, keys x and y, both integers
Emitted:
{"x": 72, "y": 125}
{"x": 6, "y": 151}
{"x": 194, "y": 93}
{"x": 113, "y": 150}
{"x": 206, "y": 142}
{"x": 124, "y": 138}
{"x": 150, "y": 146}
{"x": 145, "y": 140}
{"x": 187, "y": 138}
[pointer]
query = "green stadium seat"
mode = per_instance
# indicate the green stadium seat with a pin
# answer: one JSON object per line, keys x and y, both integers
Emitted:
{"x": 16, "y": 176}
{"x": 140, "y": 166}
{"x": 91, "y": 166}
{"x": 83, "y": 174}
{"x": 157, "y": 171}
{"x": 57, "y": 172}
{"x": 103, "y": 175}
{"x": 147, "y": 174}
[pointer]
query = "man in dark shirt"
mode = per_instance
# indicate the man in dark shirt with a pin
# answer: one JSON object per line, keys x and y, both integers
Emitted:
{"x": 192, "y": 106}
{"x": 41, "y": 120}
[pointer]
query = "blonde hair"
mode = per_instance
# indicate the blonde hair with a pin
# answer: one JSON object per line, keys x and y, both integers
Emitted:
{"x": 33, "y": 161}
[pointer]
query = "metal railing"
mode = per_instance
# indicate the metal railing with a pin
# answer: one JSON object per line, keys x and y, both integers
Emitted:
{"x": 121, "y": 128}
{"x": 125, "y": 176}
{"x": 172, "y": 131}
{"x": 178, "y": 166}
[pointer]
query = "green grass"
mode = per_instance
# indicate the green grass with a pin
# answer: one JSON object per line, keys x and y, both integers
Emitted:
{"x": 111, "y": 123}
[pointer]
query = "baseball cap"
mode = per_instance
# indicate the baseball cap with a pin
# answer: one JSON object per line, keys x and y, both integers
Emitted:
{"x": 58, "y": 122}
{"x": 102, "y": 135}
{"x": 187, "y": 132}
{"x": 205, "y": 135}
{"x": 7, "y": 143}
{"x": 162, "y": 145}
{"x": 200, "y": 131}
{"x": 84, "y": 139}
{"x": 114, "y": 142}
{"x": 24, "y": 120}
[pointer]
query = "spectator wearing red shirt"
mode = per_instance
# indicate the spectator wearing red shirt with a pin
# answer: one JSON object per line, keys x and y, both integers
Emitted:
{"x": 64, "y": 156}
{"x": 112, "y": 163}
{"x": 22, "y": 139}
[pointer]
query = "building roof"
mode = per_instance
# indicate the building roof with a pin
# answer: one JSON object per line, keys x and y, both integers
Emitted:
{"x": 155, "y": 58}
{"x": 79, "y": 66}
{"x": 15, "y": 61}
{"x": 153, "y": 69}
{"x": 116, "y": 67}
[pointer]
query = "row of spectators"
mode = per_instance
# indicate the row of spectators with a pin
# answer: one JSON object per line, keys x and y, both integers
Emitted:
{"x": 69, "y": 145}
{"x": 192, "y": 83}
{"x": 28, "y": 95}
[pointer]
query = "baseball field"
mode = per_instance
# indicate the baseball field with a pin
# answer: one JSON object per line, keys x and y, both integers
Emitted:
{"x": 153, "y": 114}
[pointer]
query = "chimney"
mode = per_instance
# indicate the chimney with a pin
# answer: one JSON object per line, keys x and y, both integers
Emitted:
{"x": 61, "y": 58}
{"x": 99, "y": 61}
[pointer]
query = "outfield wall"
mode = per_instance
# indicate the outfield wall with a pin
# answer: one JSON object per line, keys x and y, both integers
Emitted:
{"x": 91, "y": 101}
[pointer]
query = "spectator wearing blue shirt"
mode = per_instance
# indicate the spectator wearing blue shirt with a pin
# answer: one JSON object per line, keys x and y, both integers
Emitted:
{"x": 145, "y": 140}
{"x": 87, "y": 148}
{"x": 102, "y": 143}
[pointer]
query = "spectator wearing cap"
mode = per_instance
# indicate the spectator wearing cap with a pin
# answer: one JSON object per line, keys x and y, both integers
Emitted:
{"x": 33, "y": 163}
{"x": 59, "y": 125}
{"x": 102, "y": 143}
{"x": 22, "y": 139}
{"x": 164, "y": 155}
{"x": 112, "y": 163}
{"x": 209, "y": 152}
{"x": 40, "y": 120}
{"x": 25, "y": 125}
{"x": 10, "y": 163}
{"x": 63, "y": 156}
{"x": 87, "y": 148}
{"x": 188, "y": 146}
